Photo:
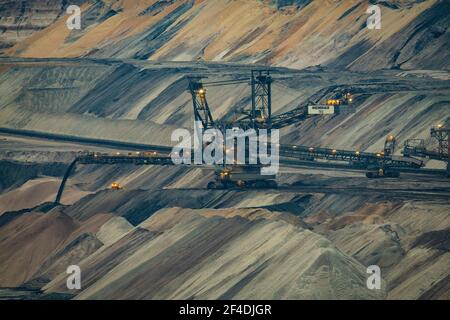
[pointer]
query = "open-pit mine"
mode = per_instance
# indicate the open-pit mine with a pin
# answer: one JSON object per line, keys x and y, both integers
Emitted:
{"x": 89, "y": 175}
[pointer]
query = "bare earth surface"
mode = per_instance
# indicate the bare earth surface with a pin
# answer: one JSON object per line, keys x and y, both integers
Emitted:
{"x": 123, "y": 77}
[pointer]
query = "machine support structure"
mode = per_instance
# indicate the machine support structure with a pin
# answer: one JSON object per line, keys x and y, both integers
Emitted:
{"x": 389, "y": 145}
{"x": 442, "y": 135}
{"x": 202, "y": 111}
{"x": 261, "y": 83}
{"x": 64, "y": 180}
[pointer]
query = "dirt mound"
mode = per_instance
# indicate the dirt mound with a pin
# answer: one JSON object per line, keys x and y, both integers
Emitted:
{"x": 256, "y": 32}
{"x": 100, "y": 263}
{"x": 37, "y": 246}
{"x": 200, "y": 255}
{"x": 113, "y": 230}
{"x": 26, "y": 242}
{"x": 74, "y": 252}
{"x": 35, "y": 192}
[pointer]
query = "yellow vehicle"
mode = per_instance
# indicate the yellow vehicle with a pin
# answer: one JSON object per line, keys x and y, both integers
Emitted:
{"x": 334, "y": 102}
{"x": 150, "y": 153}
{"x": 116, "y": 186}
{"x": 341, "y": 99}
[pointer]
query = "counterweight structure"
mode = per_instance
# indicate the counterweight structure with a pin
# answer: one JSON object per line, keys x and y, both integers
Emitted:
{"x": 441, "y": 136}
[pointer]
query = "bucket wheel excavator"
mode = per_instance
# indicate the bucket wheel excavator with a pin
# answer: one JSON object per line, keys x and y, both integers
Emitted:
{"x": 241, "y": 176}
{"x": 381, "y": 170}
{"x": 259, "y": 116}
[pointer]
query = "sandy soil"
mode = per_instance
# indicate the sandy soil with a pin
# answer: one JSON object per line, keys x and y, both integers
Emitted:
{"x": 249, "y": 31}
{"x": 35, "y": 192}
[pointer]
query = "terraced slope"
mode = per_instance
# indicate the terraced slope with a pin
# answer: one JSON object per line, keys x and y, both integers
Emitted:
{"x": 123, "y": 77}
{"x": 144, "y": 102}
{"x": 300, "y": 245}
{"x": 297, "y": 34}
{"x": 20, "y": 19}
